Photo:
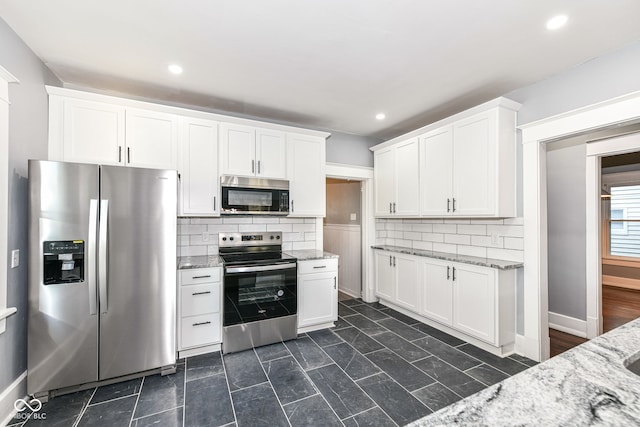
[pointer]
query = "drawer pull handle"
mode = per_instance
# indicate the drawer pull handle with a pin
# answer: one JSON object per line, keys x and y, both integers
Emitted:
{"x": 320, "y": 266}
{"x": 201, "y": 293}
{"x": 202, "y": 323}
{"x": 201, "y": 277}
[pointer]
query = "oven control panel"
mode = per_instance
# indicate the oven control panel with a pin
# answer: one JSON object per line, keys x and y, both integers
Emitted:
{"x": 226, "y": 240}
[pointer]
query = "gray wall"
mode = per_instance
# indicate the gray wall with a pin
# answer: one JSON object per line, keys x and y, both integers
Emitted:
{"x": 27, "y": 139}
{"x": 600, "y": 79}
{"x": 343, "y": 199}
{"x": 350, "y": 149}
{"x": 566, "y": 221}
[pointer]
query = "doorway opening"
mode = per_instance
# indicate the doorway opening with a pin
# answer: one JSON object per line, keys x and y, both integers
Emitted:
{"x": 342, "y": 232}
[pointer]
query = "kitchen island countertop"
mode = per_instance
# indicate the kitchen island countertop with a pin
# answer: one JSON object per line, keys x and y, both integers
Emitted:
{"x": 587, "y": 385}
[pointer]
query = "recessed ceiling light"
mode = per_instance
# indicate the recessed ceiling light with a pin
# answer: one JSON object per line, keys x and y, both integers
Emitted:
{"x": 380, "y": 116}
{"x": 175, "y": 69}
{"x": 557, "y": 22}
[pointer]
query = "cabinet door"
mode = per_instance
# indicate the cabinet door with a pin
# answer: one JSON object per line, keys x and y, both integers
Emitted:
{"x": 271, "y": 154}
{"x": 317, "y": 298}
{"x": 436, "y": 172}
{"x": 474, "y": 161}
{"x": 199, "y": 179}
{"x": 152, "y": 140}
{"x": 474, "y": 301}
{"x": 93, "y": 132}
{"x": 407, "y": 281}
{"x": 307, "y": 177}
{"x": 237, "y": 150}
{"x": 385, "y": 276}
{"x": 384, "y": 178}
{"x": 437, "y": 291}
{"x": 407, "y": 171}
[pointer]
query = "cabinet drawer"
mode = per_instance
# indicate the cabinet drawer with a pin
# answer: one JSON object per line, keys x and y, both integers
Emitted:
{"x": 200, "y": 330}
{"x": 199, "y": 275}
{"x": 200, "y": 299}
{"x": 318, "y": 266}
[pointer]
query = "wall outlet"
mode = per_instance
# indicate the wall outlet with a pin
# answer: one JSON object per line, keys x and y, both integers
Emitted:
{"x": 205, "y": 236}
{"x": 15, "y": 258}
{"x": 353, "y": 217}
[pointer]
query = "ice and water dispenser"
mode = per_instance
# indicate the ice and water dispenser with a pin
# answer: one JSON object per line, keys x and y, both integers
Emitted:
{"x": 63, "y": 262}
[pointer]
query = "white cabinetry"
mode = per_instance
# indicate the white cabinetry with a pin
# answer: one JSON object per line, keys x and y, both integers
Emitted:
{"x": 464, "y": 165}
{"x": 472, "y": 302}
{"x": 396, "y": 177}
{"x": 199, "y": 310}
{"x": 397, "y": 279}
{"x": 317, "y": 294}
{"x": 106, "y": 133}
{"x": 250, "y": 151}
{"x": 307, "y": 176}
{"x": 199, "y": 179}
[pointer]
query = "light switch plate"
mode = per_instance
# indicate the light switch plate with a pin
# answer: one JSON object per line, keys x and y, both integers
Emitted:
{"x": 15, "y": 258}
{"x": 353, "y": 217}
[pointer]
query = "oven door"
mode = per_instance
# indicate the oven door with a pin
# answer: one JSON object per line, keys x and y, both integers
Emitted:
{"x": 261, "y": 292}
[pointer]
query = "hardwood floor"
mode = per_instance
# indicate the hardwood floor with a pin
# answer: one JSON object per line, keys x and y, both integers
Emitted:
{"x": 619, "y": 306}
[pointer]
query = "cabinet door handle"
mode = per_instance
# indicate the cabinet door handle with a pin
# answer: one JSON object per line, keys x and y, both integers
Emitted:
{"x": 390, "y": 261}
{"x": 390, "y": 207}
{"x": 128, "y": 155}
{"x": 448, "y": 272}
{"x": 320, "y": 266}
{"x": 253, "y": 166}
{"x": 394, "y": 261}
{"x": 201, "y": 277}
{"x": 335, "y": 282}
{"x": 448, "y": 205}
{"x": 454, "y": 206}
{"x": 394, "y": 207}
{"x": 201, "y": 293}
{"x": 292, "y": 209}
{"x": 214, "y": 203}
{"x": 258, "y": 167}
{"x": 119, "y": 153}
{"x": 454, "y": 274}
{"x": 202, "y": 323}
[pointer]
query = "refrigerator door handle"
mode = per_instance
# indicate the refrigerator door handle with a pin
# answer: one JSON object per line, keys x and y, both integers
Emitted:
{"x": 93, "y": 230}
{"x": 102, "y": 254}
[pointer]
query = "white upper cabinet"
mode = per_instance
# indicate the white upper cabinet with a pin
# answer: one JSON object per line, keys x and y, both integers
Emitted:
{"x": 249, "y": 151}
{"x": 307, "y": 176}
{"x": 91, "y": 132}
{"x": 199, "y": 179}
{"x": 151, "y": 139}
{"x": 396, "y": 177}
{"x": 106, "y": 133}
{"x": 467, "y": 166}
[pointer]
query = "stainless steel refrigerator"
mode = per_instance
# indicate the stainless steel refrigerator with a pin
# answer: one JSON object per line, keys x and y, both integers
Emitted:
{"x": 102, "y": 273}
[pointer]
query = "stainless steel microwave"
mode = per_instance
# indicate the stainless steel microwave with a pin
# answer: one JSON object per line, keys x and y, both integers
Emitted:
{"x": 254, "y": 196}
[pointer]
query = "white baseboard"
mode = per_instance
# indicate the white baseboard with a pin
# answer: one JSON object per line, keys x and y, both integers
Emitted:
{"x": 17, "y": 390}
{"x": 569, "y": 325}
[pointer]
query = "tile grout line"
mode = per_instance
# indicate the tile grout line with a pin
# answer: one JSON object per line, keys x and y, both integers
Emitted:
{"x": 226, "y": 379}
{"x": 84, "y": 409}
{"x": 271, "y": 385}
{"x": 135, "y": 406}
{"x": 184, "y": 392}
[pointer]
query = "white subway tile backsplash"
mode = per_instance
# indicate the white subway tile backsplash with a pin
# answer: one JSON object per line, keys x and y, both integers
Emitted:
{"x": 237, "y": 220}
{"x": 486, "y": 237}
{"x": 193, "y": 250}
{"x": 265, "y": 220}
{"x": 292, "y": 221}
{"x": 250, "y": 228}
{"x": 192, "y": 229}
{"x": 303, "y": 227}
{"x": 303, "y": 245}
{"x": 223, "y": 228}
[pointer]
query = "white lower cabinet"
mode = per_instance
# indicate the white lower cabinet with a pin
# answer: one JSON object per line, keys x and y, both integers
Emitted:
{"x": 199, "y": 308}
{"x": 477, "y": 301}
{"x": 317, "y": 294}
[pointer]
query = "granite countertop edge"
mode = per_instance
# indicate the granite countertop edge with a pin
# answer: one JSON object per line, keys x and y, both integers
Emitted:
{"x": 587, "y": 385}
{"x": 209, "y": 261}
{"x": 465, "y": 259}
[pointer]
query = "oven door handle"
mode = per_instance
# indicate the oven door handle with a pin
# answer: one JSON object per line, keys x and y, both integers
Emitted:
{"x": 231, "y": 270}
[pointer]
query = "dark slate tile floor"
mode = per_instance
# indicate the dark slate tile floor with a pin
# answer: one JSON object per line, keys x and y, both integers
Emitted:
{"x": 376, "y": 367}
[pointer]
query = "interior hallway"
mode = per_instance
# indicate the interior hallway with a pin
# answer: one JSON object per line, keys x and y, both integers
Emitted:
{"x": 619, "y": 306}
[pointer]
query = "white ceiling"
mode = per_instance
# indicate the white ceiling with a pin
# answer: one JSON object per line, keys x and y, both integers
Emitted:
{"x": 329, "y": 64}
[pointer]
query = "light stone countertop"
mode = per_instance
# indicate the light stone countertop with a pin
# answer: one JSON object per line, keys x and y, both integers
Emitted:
{"x": 310, "y": 254}
{"x": 203, "y": 261}
{"x": 585, "y": 386}
{"x": 465, "y": 259}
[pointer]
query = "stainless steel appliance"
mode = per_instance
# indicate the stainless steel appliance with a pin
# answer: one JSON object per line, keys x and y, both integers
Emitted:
{"x": 256, "y": 196}
{"x": 102, "y": 274}
{"x": 260, "y": 290}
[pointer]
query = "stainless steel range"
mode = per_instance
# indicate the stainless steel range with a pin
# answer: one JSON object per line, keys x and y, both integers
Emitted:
{"x": 260, "y": 290}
